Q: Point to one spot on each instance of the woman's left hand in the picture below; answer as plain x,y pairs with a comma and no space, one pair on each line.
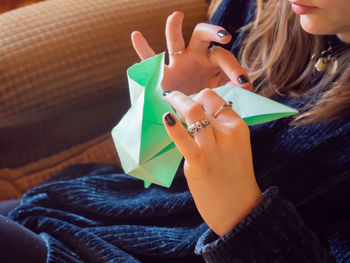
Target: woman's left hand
218,159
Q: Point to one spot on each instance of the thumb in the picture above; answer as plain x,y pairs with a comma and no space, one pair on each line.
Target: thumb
229,64
141,46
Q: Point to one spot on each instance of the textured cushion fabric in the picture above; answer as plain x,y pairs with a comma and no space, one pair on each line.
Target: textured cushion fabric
7,5
62,58
15,182
63,74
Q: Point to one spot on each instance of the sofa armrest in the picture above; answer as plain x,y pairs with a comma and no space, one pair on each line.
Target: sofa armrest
63,69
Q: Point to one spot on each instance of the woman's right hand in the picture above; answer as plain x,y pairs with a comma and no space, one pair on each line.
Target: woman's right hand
195,70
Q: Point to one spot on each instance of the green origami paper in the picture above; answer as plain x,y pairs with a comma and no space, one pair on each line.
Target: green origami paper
144,147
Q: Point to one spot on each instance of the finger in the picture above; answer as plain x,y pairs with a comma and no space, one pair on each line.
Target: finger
140,44
192,112
173,32
183,141
228,63
212,102
218,80
203,34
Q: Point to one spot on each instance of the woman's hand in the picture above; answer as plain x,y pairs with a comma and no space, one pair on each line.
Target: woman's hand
193,70
218,159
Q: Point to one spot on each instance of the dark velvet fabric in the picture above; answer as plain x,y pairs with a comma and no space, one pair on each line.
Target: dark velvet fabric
20,245
8,205
92,213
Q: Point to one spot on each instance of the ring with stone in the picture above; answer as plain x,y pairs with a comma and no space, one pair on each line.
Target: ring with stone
226,105
198,126
175,53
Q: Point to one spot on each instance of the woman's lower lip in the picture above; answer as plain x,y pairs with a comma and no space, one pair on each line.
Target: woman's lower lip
301,9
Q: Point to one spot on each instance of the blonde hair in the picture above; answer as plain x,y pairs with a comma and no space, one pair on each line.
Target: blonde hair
276,53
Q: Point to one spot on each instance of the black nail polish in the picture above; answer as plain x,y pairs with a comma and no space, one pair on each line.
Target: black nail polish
166,92
170,119
242,79
223,33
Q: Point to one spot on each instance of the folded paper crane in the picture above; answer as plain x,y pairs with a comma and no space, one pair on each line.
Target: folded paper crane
144,147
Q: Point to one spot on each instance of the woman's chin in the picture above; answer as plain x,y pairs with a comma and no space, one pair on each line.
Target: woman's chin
314,27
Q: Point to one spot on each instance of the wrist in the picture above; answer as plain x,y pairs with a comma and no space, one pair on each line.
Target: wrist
254,199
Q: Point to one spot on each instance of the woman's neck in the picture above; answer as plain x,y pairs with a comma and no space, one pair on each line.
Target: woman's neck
345,37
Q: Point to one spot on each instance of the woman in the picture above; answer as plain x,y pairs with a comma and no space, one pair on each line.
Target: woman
289,205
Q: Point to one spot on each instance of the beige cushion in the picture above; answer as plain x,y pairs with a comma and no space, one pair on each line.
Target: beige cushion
15,182
63,76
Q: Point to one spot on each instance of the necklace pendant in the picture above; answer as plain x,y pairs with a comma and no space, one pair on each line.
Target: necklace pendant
321,64
326,62
333,66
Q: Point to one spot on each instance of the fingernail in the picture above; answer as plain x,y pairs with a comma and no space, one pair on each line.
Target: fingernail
242,79
223,33
166,92
170,119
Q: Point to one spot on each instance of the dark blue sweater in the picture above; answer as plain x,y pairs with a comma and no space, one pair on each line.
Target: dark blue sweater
103,216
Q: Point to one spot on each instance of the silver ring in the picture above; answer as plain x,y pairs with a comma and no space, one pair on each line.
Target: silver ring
175,53
198,126
227,105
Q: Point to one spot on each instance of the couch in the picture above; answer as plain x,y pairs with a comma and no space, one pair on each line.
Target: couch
63,82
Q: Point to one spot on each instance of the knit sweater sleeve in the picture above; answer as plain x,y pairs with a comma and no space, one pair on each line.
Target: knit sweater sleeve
272,232
232,15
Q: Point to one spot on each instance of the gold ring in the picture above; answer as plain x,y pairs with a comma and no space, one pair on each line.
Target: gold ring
211,50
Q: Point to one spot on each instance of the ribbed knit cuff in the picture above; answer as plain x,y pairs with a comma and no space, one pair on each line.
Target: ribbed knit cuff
271,232
57,252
